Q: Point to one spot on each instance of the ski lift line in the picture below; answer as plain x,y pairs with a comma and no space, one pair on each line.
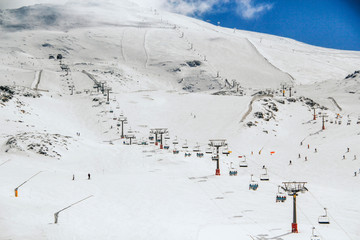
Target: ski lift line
311,223
333,219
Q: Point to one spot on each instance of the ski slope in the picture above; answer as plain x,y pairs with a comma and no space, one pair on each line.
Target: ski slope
168,71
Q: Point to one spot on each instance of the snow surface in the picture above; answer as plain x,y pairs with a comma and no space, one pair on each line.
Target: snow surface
146,56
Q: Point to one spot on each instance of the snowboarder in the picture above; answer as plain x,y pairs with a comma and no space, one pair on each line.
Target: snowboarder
88,176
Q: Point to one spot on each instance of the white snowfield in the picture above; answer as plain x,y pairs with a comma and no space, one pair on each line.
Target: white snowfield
169,71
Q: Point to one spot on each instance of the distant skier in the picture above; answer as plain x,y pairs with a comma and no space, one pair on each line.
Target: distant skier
290,162
315,150
88,176
348,149
299,155
308,146
263,166
343,157
354,157
300,143
305,158
73,177
355,174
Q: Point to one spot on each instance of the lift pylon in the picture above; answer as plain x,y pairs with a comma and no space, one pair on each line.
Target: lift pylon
293,188
217,143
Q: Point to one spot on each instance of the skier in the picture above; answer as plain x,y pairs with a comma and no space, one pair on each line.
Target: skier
263,166
343,157
354,174
354,157
305,158
73,177
88,176
315,150
308,146
348,149
299,155
290,162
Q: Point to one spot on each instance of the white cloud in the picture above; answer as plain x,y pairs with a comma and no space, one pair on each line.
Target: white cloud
245,8
248,10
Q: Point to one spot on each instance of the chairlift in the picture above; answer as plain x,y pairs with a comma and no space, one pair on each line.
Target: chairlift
187,154
280,196
208,150
196,148
265,176
243,163
111,111
324,219
199,154
175,151
226,151
233,171
314,236
175,141
167,136
253,184
166,145
185,146
214,158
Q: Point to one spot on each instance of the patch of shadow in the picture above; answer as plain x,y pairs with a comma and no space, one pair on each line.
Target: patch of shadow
219,198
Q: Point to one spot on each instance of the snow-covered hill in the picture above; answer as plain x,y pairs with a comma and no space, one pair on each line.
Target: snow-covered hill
200,82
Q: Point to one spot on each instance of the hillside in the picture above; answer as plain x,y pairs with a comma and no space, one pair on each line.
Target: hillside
200,82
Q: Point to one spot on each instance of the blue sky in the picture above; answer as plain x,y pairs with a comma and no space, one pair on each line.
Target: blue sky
326,23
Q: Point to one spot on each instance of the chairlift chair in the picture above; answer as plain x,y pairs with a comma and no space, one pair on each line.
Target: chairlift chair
314,236
196,148
208,150
280,196
214,158
185,146
167,136
225,151
233,171
175,141
324,219
243,163
265,176
253,184
175,151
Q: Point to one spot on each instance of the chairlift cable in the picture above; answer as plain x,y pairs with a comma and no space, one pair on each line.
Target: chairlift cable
332,218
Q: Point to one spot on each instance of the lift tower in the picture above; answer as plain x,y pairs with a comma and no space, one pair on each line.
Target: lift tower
217,143
123,121
161,132
293,188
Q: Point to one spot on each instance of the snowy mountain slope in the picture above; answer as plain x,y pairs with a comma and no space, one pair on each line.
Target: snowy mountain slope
142,192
